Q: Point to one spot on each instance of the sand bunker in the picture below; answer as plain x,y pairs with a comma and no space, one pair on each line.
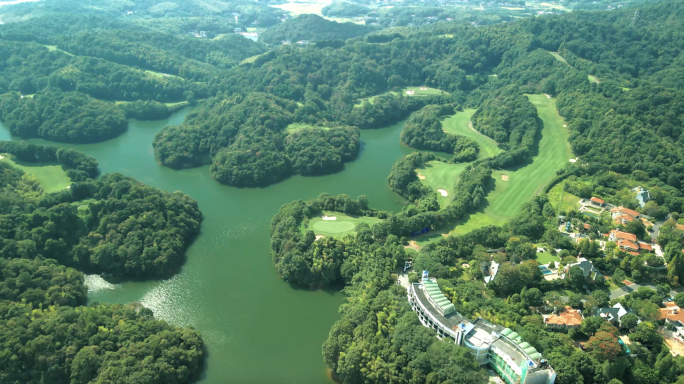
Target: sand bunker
573,160
464,265
410,92
423,89
319,237
504,177
329,217
565,125
422,177
2,157
443,192
547,95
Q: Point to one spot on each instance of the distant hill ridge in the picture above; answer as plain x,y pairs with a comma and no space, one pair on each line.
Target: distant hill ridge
312,28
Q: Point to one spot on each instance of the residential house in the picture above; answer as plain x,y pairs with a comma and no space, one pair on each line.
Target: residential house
489,270
624,215
628,242
590,272
673,315
642,196
613,314
598,202
564,321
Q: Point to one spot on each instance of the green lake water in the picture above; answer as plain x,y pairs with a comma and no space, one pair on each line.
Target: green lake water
257,328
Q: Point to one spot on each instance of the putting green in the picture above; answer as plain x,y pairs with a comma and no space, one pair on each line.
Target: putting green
417,91
52,177
505,201
333,226
343,225
459,124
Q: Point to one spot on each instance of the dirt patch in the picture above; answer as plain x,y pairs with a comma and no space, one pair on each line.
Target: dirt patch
504,177
627,282
422,177
676,346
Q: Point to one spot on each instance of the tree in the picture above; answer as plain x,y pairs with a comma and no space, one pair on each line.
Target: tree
534,297
629,321
646,333
575,277
636,227
602,298
603,346
618,276
591,324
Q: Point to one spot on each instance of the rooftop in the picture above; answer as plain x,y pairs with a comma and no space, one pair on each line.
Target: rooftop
568,317
626,211
624,235
451,320
672,312
597,200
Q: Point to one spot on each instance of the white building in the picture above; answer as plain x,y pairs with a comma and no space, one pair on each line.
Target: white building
515,360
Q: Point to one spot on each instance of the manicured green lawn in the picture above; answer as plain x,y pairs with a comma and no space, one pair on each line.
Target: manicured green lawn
459,124
343,225
52,177
507,198
439,175
570,201
546,257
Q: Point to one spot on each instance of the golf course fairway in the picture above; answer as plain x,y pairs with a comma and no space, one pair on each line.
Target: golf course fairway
439,175
459,124
507,197
52,178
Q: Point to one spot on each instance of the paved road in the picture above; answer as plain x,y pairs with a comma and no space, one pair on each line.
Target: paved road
627,289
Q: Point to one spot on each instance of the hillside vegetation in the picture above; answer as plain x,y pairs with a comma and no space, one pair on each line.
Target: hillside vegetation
312,28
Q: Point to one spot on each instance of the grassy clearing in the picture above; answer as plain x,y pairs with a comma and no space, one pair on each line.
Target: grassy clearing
593,79
343,225
425,91
439,175
54,48
558,57
355,20
52,177
159,74
569,201
294,127
459,124
507,197
251,59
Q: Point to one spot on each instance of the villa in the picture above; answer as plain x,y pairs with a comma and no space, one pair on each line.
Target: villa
624,215
514,360
628,242
613,314
642,196
564,321
673,315
588,270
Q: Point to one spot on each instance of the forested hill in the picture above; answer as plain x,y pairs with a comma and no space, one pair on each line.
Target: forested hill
115,225
312,28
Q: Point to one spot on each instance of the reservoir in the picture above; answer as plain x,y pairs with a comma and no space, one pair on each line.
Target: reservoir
257,328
